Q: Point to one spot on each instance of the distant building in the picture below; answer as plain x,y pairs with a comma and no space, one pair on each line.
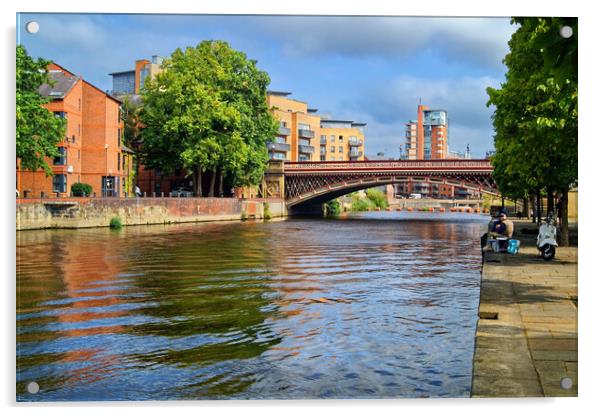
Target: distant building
131,81
92,150
300,127
426,137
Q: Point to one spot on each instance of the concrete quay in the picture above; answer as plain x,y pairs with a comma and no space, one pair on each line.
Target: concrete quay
526,337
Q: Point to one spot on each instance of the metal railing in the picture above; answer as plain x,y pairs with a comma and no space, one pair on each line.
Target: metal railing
284,131
279,146
481,165
306,133
305,149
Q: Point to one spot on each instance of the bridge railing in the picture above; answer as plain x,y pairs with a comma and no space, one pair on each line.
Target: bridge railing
387,164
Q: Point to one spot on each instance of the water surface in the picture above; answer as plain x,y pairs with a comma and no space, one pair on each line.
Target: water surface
376,305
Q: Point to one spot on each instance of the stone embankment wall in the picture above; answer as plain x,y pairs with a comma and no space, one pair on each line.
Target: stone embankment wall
94,212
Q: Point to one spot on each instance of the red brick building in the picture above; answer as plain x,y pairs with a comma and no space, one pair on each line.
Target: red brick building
92,150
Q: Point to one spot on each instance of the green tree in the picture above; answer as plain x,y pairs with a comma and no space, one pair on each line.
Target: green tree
207,112
38,130
535,119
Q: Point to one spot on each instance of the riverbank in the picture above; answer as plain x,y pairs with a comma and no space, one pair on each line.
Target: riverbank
526,337
70,213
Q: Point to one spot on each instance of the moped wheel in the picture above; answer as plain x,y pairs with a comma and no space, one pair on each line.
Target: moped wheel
548,252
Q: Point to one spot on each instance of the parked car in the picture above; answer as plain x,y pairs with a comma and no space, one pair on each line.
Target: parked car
181,192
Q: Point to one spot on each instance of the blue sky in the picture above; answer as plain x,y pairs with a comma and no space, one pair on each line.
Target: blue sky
368,69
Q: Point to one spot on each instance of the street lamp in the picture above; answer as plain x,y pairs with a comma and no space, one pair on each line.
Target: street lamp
104,191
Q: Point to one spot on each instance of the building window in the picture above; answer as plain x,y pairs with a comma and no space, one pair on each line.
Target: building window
340,149
331,158
78,155
61,159
59,183
332,149
118,137
79,104
283,124
60,114
332,139
73,138
340,158
123,162
340,139
322,158
79,128
118,161
323,138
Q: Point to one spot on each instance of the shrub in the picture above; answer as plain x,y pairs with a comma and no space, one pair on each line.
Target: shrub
377,197
115,223
360,205
81,189
267,215
333,207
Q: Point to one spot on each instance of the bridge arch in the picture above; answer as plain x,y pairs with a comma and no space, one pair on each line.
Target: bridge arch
312,183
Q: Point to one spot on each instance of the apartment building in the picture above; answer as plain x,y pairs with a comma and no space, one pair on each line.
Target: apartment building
300,127
131,82
92,151
341,140
427,136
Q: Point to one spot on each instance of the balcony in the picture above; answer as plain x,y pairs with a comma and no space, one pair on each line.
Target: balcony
283,147
306,149
306,133
354,152
284,131
322,151
355,143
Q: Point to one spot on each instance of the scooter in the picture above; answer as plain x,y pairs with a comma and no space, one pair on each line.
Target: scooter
546,239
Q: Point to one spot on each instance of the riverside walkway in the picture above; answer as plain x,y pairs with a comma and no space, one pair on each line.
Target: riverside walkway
526,337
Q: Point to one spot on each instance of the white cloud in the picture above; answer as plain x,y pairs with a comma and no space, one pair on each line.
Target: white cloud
481,41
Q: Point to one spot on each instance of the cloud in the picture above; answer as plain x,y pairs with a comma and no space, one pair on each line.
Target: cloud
79,31
480,41
388,105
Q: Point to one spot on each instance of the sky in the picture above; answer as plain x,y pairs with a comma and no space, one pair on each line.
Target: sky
366,69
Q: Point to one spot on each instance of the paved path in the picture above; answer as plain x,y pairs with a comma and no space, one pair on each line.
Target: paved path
531,345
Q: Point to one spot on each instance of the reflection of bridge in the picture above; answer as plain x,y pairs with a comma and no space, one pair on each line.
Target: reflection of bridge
311,183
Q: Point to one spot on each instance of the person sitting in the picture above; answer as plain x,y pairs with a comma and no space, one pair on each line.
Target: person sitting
502,227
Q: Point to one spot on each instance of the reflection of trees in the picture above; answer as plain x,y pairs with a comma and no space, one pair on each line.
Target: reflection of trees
209,286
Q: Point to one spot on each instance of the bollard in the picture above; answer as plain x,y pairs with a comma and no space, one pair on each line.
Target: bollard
162,194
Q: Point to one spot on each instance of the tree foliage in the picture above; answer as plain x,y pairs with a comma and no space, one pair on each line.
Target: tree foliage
207,112
535,117
38,130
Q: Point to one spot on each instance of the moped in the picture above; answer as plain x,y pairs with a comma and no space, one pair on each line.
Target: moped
546,239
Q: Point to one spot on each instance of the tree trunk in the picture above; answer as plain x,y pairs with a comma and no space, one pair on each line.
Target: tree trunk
550,200
503,204
564,217
526,212
532,207
220,189
538,207
212,184
197,182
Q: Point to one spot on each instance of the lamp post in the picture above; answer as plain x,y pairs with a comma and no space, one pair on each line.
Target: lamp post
104,191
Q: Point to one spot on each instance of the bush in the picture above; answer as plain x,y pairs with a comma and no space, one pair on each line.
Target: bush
267,215
81,189
377,198
115,223
332,207
360,205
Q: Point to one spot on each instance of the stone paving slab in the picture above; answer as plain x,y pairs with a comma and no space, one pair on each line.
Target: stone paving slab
526,339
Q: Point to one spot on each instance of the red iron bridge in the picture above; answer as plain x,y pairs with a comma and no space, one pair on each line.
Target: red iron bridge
310,183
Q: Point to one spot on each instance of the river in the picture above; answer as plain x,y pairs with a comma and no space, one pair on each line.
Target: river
371,305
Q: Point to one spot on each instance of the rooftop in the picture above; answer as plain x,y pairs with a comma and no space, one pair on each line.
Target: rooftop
122,72
62,84
279,93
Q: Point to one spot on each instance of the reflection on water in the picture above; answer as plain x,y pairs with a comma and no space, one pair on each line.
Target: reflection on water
373,305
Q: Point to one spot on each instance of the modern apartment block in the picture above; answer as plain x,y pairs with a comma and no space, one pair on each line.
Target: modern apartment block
300,127
341,140
91,151
426,137
130,82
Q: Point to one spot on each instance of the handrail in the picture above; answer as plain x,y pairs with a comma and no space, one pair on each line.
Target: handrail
389,164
